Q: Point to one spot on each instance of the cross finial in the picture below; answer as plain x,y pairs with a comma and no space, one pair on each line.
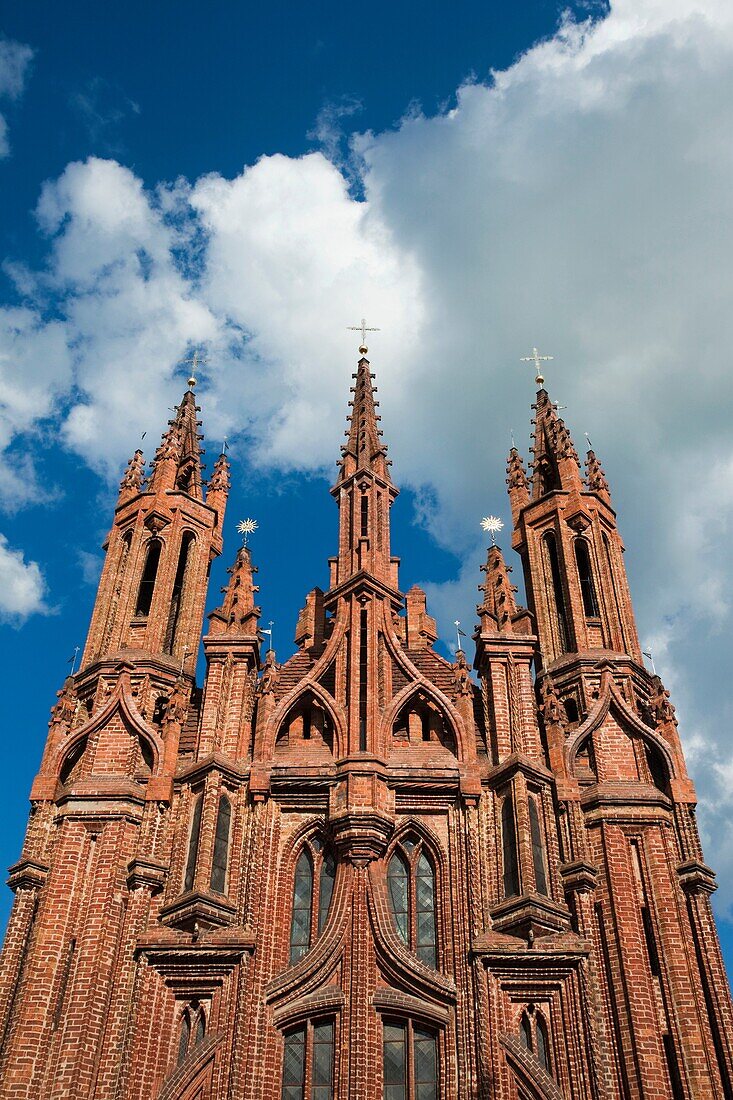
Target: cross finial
538,360
194,362
363,328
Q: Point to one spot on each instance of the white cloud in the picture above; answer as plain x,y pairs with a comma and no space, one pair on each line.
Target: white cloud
14,61
22,587
580,201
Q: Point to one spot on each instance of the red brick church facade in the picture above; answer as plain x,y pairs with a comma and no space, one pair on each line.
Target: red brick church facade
360,873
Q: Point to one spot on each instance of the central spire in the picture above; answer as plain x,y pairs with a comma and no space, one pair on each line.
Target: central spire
364,489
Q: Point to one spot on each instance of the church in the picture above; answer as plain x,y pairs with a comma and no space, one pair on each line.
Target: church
364,872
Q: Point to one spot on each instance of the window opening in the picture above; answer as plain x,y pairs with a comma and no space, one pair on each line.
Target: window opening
538,853
193,844
410,1061
412,898
147,583
177,594
509,848
221,845
585,575
363,684
364,515
557,590
308,1057
315,875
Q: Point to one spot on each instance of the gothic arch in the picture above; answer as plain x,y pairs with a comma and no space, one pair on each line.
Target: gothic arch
303,705
287,703
610,700
448,712
122,701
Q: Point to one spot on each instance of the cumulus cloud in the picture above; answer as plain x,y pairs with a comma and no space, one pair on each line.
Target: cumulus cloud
22,586
579,200
15,59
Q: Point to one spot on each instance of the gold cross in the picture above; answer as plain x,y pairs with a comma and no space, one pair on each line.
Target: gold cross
538,360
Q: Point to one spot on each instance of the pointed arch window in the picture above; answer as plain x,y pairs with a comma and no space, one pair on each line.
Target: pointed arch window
308,1057
509,847
412,897
193,843
558,593
538,847
410,1065
221,846
535,1036
147,581
176,607
585,576
315,872
192,1029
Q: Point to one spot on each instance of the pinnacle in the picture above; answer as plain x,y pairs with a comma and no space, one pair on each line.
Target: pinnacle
499,607
364,448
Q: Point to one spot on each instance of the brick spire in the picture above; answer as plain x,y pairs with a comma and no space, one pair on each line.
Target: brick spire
595,477
133,477
364,449
177,462
238,613
517,482
555,460
364,490
499,607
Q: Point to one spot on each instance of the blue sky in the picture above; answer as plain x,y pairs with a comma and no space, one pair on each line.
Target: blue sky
253,180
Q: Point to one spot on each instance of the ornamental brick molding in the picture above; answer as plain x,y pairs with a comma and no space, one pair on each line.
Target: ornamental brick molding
364,871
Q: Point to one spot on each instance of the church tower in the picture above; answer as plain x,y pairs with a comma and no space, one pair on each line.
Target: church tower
362,872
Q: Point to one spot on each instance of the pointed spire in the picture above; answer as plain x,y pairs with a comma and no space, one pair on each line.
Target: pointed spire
555,460
499,608
517,483
596,477
177,462
217,491
238,613
133,477
364,449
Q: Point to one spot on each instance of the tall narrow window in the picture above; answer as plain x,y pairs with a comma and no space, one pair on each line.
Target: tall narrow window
411,890
363,682
221,845
543,1044
557,589
147,583
315,873
193,844
174,614
192,1029
364,515
509,848
525,1031
410,1066
185,1035
585,576
300,929
538,848
308,1061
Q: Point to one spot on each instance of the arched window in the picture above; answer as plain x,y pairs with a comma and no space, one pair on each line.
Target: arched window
543,1044
421,720
585,576
221,846
308,1061
193,843
315,872
72,764
509,848
193,1029
410,1065
538,847
411,889
535,1036
525,1031
557,589
657,769
147,582
174,614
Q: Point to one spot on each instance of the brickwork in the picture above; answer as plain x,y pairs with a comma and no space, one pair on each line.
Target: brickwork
506,871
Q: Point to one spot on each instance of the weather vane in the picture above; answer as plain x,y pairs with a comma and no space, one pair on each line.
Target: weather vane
492,524
363,328
269,630
247,527
459,634
538,360
193,363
